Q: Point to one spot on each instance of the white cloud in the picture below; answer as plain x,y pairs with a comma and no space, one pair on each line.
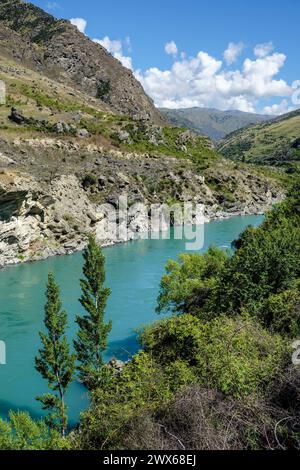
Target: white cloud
115,47
202,81
53,6
232,52
280,108
262,50
171,48
80,23
126,61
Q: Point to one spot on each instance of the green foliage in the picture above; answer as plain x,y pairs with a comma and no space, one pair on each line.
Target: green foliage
258,278
281,312
20,432
265,263
264,266
235,356
93,331
103,90
141,386
88,181
54,362
189,282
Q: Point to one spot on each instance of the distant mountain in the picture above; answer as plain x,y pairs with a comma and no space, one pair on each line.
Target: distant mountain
212,122
276,142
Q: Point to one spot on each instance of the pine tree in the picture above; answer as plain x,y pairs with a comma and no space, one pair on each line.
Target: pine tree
55,363
93,331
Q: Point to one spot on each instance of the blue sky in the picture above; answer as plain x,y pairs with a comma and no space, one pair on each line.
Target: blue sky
137,32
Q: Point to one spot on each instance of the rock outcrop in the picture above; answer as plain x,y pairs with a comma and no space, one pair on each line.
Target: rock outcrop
57,49
52,215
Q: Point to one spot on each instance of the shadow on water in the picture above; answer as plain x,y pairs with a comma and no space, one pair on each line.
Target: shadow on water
7,406
37,413
123,349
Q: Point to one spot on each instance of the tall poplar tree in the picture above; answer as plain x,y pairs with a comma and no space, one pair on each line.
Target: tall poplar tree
55,363
93,332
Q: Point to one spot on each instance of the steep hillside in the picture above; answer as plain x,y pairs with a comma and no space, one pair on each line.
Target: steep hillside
58,50
212,122
273,143
63,153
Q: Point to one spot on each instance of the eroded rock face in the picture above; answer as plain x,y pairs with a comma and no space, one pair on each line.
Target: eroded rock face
39,218
57,49
11,203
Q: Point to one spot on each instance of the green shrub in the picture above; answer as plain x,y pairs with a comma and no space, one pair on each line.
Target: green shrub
188,283
20,432
88,181
141,386
235,356
103,90
266,262
280,313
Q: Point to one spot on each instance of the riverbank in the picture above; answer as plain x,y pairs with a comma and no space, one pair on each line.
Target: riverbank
133,273
108,238
52,193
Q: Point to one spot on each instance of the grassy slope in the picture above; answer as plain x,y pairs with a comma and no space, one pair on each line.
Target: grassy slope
40,98
268,144
43,99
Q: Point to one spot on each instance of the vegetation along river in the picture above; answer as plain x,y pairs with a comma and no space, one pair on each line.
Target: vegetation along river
133,272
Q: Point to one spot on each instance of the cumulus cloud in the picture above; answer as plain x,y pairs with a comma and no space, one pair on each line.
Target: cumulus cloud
277,109
80,23
262,50
232,52
115,47
128,45
202,81
171,48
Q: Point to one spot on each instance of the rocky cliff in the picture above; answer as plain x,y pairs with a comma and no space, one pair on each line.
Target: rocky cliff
64,152
52,214
57,49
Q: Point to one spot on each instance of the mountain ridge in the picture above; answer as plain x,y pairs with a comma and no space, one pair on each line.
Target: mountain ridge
210,121
59,50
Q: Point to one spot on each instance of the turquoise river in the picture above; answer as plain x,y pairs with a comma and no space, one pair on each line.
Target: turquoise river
133,271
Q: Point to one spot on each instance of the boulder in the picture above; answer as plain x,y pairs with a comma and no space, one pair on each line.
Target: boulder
61,127
124,136
83,133
16,116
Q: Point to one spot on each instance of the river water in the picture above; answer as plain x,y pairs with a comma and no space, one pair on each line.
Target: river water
133,272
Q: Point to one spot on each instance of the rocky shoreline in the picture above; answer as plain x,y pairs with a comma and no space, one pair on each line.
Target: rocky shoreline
52,194
42,228
10,259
